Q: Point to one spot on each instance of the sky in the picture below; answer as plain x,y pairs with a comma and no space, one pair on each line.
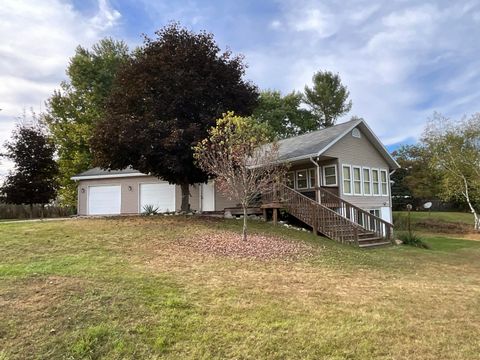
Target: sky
401,60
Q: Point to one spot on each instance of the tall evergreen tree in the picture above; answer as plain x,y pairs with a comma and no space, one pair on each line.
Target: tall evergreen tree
328,98
33,179
164,101
73,111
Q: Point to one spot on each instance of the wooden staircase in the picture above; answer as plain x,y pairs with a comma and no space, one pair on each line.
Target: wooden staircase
333,217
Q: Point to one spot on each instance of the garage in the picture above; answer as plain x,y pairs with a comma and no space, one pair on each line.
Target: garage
160,195
104,200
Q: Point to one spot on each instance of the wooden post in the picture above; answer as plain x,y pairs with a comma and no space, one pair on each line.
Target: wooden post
315,220
275,216
265,214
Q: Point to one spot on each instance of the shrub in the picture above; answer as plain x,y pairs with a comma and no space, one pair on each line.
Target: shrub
412,239
12,211
150,210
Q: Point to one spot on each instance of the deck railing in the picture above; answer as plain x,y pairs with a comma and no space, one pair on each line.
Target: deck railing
331,216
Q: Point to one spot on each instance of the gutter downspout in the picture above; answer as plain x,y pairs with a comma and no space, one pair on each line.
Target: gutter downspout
317,190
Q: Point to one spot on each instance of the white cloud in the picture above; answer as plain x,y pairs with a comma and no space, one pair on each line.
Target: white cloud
38,38
400,60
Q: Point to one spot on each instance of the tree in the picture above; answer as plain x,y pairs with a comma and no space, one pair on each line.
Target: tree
237,153
283,114
164,101
73,111
33,179
455,150
415,178
328,98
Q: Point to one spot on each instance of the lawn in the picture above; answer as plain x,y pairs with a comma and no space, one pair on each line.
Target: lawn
135,288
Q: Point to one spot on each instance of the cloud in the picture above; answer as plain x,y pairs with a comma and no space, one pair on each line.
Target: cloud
38,38
400,60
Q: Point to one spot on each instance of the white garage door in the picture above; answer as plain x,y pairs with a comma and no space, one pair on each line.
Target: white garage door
104,200
160,195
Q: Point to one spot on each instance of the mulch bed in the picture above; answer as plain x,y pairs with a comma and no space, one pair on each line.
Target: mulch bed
230,244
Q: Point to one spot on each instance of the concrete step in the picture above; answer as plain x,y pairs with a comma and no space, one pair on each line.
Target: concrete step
374,244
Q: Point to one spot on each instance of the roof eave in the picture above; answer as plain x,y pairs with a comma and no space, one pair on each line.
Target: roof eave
106,176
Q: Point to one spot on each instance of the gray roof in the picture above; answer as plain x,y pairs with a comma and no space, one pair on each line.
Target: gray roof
311,144
295,148
102,172
318,142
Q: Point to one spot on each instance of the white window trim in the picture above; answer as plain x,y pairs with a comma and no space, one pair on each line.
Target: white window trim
369,181
381,182
352,173
306,178
324,177
351,180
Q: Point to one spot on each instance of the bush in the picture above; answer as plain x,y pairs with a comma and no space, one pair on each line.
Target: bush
412,239
400,221
150,210
12,211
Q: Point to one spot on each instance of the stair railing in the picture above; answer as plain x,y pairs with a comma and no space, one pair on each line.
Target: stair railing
365,219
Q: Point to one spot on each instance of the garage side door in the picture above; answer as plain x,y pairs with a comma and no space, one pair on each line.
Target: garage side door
160,195
104,200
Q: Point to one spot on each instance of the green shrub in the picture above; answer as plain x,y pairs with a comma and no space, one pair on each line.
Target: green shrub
412,239
12,211
400,221
150,210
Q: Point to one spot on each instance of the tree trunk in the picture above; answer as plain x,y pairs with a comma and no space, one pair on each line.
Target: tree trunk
476,219
185,197
31,211
244,231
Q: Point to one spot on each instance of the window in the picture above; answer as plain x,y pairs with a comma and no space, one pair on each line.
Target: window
366,181
356,133
302,182
375,212
347,179
384,182
357,180
330,175
375,183
312,178
291,179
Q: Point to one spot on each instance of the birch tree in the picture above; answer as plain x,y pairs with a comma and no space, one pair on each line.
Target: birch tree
455,150
237,154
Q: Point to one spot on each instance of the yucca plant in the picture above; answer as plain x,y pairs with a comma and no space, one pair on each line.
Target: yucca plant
150,210
412,239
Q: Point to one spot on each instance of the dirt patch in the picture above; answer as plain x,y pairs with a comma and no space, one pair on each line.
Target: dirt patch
262,247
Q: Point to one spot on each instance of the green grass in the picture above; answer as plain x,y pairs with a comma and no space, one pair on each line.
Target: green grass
124,289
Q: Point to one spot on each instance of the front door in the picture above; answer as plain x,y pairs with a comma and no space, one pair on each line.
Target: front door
208,196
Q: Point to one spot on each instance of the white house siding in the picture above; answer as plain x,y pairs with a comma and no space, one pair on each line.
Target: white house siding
360,152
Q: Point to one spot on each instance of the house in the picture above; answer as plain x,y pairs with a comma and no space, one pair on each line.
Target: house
345,165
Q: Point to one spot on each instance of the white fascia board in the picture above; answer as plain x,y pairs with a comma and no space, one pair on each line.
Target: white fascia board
108,176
